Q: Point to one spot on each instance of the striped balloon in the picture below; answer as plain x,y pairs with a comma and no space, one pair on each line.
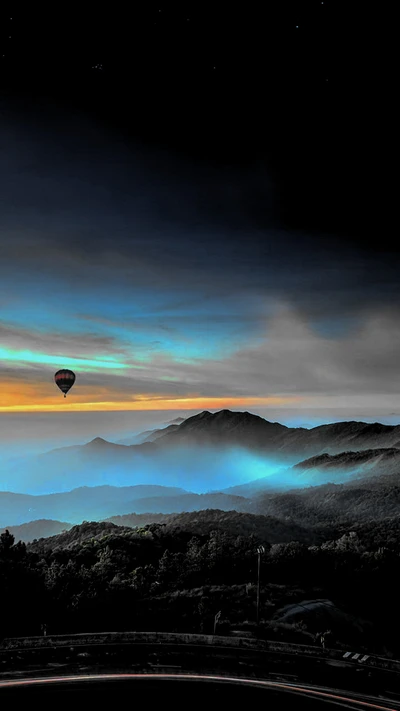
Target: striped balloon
64,380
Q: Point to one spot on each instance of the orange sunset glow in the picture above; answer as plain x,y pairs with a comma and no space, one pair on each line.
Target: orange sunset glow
27,402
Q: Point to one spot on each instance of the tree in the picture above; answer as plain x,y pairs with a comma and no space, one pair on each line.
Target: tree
6,542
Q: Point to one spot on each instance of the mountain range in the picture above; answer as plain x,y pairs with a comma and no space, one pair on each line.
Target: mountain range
309,514
83,503
343,452
204,444
253,432
243,429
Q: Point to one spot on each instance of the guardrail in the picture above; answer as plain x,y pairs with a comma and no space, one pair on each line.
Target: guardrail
151,638
176,638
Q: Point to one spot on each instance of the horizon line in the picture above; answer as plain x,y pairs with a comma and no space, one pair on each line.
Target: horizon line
155,405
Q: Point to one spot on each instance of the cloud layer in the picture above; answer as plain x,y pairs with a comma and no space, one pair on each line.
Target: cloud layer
167,282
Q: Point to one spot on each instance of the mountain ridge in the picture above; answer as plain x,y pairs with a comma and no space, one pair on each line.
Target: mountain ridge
79,503
204,445
210,426
149,435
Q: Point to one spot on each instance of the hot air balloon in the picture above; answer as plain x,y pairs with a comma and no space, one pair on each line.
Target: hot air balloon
64,380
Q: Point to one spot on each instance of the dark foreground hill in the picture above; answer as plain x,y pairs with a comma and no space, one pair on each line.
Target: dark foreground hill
200,523
176,577
238,524
53,531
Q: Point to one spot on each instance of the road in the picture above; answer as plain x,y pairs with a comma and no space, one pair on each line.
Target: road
98,687
196,656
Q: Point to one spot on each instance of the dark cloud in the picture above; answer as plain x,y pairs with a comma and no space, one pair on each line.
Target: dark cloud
292,359
107,242
83,205
75,344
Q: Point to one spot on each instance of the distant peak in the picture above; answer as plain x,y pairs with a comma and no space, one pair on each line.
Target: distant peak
176,421
98,441
200,416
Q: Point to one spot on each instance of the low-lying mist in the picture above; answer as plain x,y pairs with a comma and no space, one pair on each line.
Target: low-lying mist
198,469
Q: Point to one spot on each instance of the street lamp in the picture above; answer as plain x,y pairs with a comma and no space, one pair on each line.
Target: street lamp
216,618
260,552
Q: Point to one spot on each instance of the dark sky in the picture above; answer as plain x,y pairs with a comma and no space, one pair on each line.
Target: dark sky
197,194
277,83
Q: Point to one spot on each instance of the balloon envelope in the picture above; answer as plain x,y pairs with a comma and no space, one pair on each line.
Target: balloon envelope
64,380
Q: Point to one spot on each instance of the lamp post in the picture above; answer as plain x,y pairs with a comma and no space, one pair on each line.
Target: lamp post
260,551
216,618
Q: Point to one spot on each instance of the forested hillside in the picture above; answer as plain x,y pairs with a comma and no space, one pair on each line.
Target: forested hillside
99,576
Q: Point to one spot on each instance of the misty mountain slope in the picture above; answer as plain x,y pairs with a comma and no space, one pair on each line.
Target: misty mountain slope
77,505
188,502
333,503
93,464
254,432
65,468
146,436
43,528
368,462
100,462
262,485
337,468
206,451
353,436
157,434
150,435
135,438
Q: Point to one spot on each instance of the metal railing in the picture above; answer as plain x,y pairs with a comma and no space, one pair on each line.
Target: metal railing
176,638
